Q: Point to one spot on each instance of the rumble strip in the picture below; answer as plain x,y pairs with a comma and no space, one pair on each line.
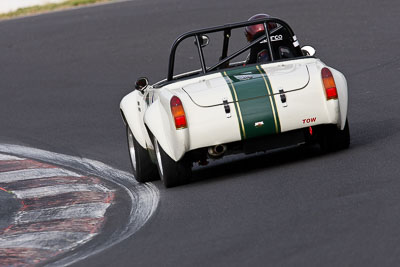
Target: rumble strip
64,207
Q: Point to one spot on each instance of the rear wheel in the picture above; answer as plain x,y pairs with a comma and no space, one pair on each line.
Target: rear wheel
172,173
333,139
143,168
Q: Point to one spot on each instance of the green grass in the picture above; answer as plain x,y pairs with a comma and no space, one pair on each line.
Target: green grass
49,7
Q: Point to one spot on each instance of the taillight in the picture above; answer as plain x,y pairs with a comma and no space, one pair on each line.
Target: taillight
178,113
329,84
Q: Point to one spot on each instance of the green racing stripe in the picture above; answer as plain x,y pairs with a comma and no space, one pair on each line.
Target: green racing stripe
254,102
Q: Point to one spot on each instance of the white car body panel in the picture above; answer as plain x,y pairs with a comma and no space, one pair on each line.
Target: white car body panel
209,92
305,104
160,123
134,118
203,122
287,75
341,85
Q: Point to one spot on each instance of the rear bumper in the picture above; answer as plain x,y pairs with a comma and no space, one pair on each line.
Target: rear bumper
262,144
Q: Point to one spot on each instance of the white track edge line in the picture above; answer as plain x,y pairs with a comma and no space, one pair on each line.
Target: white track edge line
53,190
9,157
78,211
48,240
29,174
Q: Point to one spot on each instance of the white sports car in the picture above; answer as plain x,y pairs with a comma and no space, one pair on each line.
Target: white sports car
280,95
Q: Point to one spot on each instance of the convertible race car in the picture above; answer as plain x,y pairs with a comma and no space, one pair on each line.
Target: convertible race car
266,94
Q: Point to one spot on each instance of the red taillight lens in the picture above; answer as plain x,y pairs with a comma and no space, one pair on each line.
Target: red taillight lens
178,113
329,84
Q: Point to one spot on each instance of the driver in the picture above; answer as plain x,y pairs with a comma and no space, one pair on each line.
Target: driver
259,52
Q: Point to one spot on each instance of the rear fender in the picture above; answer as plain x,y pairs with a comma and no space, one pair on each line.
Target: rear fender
134,118
159,120
341,86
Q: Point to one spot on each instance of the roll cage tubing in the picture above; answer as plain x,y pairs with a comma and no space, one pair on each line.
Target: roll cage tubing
227,32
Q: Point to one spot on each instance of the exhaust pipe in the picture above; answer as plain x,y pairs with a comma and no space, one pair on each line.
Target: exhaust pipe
216,151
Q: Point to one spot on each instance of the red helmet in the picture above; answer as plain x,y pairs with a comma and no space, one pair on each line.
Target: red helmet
254,30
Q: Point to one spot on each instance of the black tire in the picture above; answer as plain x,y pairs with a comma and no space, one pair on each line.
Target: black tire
171,172
333,139
143,168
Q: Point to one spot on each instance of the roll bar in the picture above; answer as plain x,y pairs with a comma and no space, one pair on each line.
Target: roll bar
227,31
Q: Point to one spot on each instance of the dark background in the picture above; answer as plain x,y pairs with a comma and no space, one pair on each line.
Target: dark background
63,74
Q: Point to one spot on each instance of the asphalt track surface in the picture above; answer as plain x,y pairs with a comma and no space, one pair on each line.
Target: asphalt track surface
63,74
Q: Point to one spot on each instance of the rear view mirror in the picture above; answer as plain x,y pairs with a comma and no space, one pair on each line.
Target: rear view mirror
308,50
141,84
204,40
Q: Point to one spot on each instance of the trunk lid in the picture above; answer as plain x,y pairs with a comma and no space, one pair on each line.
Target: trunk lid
250,82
